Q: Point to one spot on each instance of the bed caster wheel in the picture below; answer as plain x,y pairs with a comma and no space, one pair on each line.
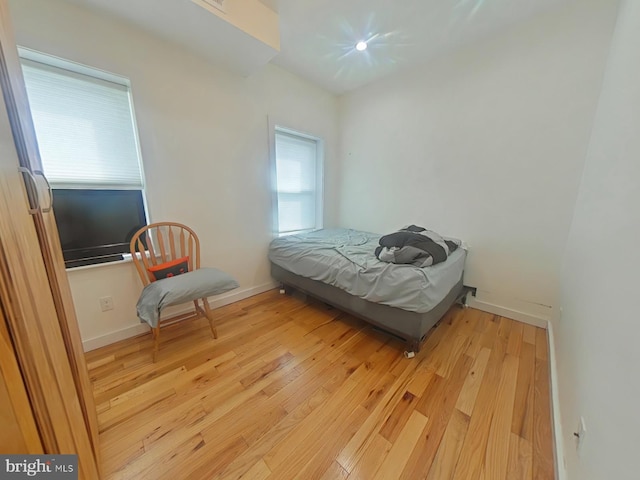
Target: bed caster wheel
409,354
463,302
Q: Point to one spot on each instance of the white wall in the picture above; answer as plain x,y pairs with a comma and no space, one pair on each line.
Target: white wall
204,140
486,144
598,334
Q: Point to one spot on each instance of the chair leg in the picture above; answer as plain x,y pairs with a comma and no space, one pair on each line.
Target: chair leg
156,342
209,315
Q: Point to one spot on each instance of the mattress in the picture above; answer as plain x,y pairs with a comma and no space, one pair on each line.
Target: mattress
345,259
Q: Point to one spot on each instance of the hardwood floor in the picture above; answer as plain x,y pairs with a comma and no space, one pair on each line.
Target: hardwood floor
295,389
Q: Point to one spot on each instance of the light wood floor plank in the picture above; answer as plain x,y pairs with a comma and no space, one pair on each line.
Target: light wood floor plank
542,444
173,465
438,407
520,458
515,339
542,346
117,461
299,447
529,334
467,398
370,459
360,443
258,449
475,344
327,451
500,432
422,377
464,321
446,458
399,417
522,422
394,462
295,389
455,349
206,463
335,472
473,453
259,471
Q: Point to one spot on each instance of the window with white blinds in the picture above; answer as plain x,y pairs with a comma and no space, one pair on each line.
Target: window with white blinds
85,128
298,182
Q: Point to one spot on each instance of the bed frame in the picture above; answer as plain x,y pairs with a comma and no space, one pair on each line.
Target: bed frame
412,327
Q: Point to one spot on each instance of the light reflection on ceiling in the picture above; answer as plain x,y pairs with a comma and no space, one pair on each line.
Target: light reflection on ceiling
318,37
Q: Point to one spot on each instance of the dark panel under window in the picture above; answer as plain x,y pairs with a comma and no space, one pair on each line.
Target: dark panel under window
96,226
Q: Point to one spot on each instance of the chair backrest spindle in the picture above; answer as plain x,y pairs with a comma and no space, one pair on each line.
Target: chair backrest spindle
172,243
152,253
163,253
155,234
183,250
140,253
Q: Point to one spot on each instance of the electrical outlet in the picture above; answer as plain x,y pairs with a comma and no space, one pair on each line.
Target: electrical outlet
580,435
106,303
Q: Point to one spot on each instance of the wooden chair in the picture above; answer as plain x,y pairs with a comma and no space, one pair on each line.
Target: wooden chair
167,241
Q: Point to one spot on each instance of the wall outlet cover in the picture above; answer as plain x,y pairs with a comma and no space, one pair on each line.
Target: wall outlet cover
106,303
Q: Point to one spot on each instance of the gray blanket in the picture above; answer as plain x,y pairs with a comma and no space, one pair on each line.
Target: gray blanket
201,283
415,245
345,259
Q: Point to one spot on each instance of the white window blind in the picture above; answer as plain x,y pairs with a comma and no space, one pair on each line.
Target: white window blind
85,128
297,182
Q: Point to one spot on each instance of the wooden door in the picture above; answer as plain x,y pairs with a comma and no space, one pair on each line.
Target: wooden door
46,228
19,433
29,309
13,439
46,344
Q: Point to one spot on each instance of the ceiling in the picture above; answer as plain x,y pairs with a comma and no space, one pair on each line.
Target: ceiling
220,37
317,37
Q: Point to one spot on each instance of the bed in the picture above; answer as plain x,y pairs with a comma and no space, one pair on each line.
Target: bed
338,267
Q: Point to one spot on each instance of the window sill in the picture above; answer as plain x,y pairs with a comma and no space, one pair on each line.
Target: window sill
127,259
297,232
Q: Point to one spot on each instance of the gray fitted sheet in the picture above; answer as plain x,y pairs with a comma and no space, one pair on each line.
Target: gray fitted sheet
345,259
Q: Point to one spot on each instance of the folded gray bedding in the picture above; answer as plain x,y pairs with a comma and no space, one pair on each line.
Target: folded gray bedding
201,283
416,246
346,259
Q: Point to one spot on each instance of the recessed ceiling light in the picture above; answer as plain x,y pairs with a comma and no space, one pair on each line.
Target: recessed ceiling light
361,46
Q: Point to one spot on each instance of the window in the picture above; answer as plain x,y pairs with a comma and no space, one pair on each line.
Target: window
298,182
88,144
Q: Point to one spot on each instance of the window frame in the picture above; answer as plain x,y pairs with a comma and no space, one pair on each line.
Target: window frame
98,73
279,127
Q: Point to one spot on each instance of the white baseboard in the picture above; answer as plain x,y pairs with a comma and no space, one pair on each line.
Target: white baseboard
561,472
234,297
535,320
113,337
137,328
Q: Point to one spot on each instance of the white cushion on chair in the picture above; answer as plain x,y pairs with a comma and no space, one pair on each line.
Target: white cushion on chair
187,287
